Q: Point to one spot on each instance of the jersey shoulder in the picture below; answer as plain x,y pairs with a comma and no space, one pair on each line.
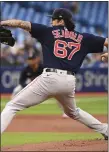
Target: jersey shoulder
85,35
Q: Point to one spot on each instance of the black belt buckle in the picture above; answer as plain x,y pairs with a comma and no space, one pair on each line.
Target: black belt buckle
70,73
50,70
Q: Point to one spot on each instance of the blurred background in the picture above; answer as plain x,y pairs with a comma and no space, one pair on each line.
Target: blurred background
92,79
91,17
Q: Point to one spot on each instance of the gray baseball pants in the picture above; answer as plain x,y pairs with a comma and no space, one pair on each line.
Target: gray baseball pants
62,87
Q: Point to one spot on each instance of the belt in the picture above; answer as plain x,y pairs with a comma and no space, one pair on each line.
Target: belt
59,71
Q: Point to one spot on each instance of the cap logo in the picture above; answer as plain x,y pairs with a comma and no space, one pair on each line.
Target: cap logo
60,16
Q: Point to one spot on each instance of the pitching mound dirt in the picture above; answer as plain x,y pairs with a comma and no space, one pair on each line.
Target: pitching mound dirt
95,145
50,123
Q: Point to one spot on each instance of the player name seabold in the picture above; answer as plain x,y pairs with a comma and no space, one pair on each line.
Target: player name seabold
59,33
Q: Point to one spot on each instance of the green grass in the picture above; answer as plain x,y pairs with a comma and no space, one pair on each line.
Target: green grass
23,138
93,105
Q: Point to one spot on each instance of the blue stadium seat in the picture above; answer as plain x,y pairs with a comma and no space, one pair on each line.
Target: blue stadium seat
45,19
6,10
47,6
36,17
84,29
91,30
29,14
78,27
2,5
91,15
14,11
22,13
86,12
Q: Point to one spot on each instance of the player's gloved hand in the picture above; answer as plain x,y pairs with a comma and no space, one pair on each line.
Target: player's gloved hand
104,57
6,36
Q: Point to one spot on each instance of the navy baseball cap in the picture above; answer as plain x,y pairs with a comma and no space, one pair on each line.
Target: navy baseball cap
61,13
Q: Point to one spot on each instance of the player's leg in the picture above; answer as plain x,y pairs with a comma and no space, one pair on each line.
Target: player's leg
69,105
34,93
16,90
31,95
61,108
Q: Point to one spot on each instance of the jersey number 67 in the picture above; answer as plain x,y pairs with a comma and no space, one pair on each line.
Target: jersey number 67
61,52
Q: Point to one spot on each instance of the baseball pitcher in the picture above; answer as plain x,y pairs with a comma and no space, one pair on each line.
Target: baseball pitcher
64,50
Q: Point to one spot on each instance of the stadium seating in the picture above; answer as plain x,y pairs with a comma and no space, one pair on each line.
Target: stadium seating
91,15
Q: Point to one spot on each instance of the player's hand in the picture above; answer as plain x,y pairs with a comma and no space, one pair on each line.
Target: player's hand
104,57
